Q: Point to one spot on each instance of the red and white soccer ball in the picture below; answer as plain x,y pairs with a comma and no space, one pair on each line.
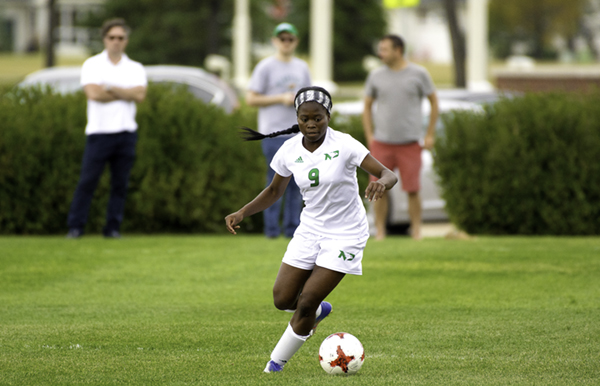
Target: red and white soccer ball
341,353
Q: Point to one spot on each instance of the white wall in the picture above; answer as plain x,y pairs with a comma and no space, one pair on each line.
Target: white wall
31,22
427,37
23,32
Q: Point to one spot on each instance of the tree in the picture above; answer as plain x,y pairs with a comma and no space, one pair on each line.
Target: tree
534,22
50,54
358,25
175,31
186,31
459,50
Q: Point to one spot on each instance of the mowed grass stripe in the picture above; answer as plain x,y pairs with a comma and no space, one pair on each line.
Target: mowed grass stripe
198,310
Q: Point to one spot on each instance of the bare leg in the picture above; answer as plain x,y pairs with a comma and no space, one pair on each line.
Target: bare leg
381,213
303,290
288,285
414,211
320,284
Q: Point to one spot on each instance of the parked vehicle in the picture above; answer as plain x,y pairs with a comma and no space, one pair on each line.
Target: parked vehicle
481,97
432,203
202,84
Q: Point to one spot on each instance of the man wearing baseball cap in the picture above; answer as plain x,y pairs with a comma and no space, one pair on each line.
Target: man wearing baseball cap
273,86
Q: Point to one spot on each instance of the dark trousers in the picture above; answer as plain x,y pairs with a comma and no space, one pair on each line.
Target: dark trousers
118,150
292,198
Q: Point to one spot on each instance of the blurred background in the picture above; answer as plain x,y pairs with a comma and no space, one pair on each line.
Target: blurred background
475,44
477,51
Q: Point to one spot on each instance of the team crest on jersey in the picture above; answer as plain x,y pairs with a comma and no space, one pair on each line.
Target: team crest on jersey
299,160
332,155
347,256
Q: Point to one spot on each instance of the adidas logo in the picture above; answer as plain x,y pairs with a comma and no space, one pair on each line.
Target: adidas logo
299,160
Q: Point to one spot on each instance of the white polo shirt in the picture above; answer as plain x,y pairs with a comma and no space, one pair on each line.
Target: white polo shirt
327,181
117,116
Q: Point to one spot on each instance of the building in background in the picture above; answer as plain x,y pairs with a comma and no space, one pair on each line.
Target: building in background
24,25
424,29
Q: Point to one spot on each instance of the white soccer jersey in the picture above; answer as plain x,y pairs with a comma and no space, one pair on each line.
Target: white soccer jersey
327,181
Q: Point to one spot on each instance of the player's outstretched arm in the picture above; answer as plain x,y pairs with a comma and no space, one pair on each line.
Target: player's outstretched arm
265,199
387,178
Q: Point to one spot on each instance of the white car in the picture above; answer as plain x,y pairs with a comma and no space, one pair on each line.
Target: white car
203,85
433,204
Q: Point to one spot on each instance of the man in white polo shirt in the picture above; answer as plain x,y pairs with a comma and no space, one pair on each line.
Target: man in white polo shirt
113,84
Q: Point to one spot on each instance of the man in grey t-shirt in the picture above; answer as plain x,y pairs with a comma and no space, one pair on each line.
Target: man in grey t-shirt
273,86
393,130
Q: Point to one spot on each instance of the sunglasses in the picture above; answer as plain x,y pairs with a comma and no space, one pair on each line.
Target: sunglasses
289,40
113,37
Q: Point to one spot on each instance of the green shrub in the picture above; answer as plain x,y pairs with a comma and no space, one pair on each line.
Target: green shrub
353,126
527,166
191,170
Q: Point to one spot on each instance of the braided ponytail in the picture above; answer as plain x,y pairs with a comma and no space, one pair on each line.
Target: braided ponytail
248,134
306,94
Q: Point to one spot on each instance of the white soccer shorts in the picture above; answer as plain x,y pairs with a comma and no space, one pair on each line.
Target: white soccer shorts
306,250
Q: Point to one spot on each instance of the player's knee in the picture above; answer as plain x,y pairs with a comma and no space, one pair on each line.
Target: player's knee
283,302
307,305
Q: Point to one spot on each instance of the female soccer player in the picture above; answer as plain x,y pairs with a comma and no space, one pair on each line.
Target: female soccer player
333,230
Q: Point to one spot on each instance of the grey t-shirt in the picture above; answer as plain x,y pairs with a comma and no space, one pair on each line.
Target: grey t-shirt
398,95
273,76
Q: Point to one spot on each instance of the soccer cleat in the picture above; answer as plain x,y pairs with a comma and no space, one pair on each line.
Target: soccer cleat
326,309
112,235
273,367
74,233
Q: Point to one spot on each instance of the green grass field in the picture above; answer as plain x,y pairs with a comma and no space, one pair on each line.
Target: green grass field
197,310
14,67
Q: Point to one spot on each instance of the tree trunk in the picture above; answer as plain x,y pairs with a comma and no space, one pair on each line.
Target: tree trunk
458,44
50,55
212,44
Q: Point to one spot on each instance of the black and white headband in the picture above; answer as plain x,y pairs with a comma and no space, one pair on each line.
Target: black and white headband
313,96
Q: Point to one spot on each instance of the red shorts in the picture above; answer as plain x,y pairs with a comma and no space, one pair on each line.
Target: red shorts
406,158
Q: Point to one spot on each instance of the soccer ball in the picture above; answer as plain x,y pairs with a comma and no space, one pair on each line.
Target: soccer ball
341,353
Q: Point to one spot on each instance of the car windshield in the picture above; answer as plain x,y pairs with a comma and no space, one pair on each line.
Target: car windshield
199,93
200,84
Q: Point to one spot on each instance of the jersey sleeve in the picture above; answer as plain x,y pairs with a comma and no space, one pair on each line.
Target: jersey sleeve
140,76
89,74
258,79
427,85
278,163
358,151
370,89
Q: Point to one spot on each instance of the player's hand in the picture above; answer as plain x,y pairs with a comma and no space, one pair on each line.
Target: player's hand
375,190
231,222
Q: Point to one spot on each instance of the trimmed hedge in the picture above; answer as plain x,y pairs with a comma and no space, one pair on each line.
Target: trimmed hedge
528,166
191,170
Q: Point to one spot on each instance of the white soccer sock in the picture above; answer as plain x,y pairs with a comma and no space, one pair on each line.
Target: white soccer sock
288,344
318,311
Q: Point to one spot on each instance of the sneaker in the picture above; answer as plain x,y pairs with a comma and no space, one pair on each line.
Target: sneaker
74,233
273,367
326,309
112,235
